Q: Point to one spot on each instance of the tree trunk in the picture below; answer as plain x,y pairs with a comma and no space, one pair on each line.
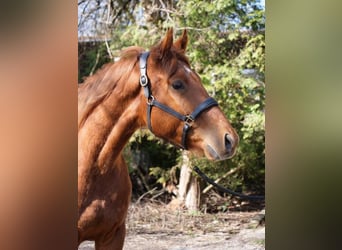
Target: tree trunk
189,190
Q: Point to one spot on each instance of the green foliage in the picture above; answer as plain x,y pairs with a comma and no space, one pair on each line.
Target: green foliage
242,98
253,56
230,58
162,156
91,56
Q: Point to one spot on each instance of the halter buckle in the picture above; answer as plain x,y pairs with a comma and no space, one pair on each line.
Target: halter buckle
189,120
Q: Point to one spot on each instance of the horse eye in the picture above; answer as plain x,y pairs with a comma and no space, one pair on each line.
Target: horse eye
178,85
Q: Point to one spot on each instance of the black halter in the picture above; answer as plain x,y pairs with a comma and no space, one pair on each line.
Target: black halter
151,101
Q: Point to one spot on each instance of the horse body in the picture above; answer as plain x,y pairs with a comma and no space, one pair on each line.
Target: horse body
112,106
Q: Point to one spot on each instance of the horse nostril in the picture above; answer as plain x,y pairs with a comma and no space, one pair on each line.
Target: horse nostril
228,142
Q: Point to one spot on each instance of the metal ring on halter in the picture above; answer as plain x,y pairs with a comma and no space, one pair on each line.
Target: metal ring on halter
150,100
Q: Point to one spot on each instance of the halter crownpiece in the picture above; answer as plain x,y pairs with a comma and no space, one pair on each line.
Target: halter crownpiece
151,101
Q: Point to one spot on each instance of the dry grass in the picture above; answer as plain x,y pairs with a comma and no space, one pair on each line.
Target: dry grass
153,218
153,226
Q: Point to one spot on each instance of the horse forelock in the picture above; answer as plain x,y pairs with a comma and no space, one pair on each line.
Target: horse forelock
169,62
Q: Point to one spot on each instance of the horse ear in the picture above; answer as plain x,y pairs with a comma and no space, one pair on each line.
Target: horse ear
166,44
182,42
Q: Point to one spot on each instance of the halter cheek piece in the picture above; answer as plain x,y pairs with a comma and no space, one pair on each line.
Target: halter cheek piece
151,102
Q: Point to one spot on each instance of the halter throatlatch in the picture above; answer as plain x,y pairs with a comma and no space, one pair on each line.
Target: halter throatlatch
151,102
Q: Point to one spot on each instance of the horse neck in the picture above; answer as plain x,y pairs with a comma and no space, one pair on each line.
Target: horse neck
111,124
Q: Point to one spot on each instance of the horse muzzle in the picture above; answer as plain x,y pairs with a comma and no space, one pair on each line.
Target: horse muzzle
224,150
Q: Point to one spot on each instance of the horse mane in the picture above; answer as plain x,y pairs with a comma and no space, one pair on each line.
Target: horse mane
98,87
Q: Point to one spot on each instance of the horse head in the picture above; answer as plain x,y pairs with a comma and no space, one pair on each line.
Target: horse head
178,107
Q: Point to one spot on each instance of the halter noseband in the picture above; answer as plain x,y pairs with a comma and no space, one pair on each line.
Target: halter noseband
151,101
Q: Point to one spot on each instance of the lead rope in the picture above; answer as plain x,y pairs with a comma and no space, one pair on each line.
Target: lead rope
226,190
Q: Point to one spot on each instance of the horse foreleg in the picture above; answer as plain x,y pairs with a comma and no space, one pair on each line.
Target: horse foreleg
113,240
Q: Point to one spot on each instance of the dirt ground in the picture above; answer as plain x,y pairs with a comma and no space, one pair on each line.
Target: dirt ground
155,227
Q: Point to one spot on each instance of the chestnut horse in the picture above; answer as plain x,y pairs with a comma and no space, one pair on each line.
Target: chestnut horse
155,89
